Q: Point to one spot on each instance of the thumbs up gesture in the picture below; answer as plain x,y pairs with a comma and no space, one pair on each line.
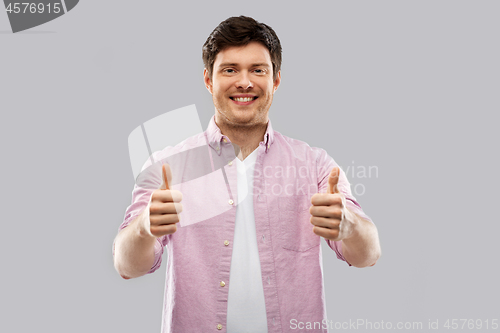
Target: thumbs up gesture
164,207
330,216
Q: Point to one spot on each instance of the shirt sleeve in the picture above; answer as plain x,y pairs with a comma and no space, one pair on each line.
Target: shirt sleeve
148,181
325,164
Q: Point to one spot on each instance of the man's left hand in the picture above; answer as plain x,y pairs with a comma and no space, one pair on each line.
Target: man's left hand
330,217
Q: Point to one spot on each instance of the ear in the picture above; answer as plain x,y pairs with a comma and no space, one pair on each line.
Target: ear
277,82
206,79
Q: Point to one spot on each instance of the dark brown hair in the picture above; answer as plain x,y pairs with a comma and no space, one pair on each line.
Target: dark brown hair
240,31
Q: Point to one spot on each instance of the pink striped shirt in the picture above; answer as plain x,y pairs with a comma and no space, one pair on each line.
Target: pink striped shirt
287,173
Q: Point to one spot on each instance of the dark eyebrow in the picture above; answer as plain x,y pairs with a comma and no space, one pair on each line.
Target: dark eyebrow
231,64
228,64
260,65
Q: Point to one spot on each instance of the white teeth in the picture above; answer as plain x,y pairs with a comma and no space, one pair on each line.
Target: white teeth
243,99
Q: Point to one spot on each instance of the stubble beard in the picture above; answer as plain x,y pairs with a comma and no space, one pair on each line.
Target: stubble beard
225,113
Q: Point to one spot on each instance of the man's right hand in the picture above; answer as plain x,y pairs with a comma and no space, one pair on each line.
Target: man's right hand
164,207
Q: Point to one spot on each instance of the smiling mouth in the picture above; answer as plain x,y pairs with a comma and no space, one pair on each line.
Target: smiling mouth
243,99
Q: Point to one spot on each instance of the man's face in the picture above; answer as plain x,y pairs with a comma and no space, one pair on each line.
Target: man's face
242,85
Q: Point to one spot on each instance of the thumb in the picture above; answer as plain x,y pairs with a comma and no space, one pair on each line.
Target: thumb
166,174
333,181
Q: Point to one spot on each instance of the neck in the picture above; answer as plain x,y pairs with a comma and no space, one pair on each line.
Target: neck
245,137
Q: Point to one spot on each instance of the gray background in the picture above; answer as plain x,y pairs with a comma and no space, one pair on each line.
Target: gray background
410,87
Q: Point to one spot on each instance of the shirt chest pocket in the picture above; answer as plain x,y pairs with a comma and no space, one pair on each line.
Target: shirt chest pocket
296,232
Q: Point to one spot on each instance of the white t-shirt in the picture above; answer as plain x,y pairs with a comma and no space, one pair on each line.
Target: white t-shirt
246,308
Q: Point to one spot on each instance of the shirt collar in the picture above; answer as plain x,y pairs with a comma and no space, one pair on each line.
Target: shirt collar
215,136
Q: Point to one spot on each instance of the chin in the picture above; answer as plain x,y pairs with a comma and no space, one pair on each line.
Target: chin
243,120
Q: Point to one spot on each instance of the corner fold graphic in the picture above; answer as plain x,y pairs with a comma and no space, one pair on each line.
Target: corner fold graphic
26,15
70,4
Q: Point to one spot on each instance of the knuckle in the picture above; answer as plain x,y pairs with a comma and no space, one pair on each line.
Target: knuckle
162,230
336,200
314,198
153,209
169,207
315,220
153,220
178,207
154,231
334,234
172,228
336,212
315,230
176,195
167,196
154,196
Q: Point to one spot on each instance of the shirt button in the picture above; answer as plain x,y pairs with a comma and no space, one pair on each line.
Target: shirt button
222,283
230,201
217,148
219,326
230,163
224,139
226,242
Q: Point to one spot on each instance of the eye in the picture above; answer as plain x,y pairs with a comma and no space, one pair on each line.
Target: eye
260,71
228,70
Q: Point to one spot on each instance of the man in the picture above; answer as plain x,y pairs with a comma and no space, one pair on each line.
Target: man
254,266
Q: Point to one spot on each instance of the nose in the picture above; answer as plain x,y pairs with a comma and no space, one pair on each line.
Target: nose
243,81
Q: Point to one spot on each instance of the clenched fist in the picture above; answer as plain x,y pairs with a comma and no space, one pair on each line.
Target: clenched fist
330,217
164,207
